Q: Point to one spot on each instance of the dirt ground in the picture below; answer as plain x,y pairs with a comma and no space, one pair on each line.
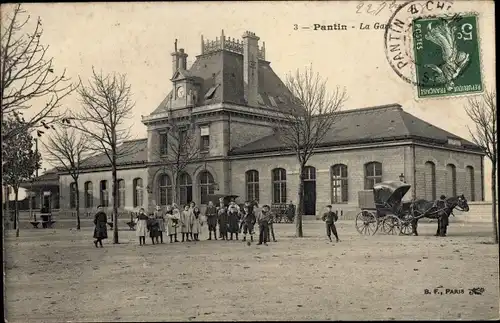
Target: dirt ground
58,275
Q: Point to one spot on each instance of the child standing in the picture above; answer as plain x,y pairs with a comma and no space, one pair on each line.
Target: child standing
173,217
330,218
186,223
248,223
270,227
197,223
154,228
160,218
141,228
233,219
223,221
211,215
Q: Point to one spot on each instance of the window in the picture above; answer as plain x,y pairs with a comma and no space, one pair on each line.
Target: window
104,194
185,189
430,181
121,193
206,186
89,195
138,192
183,140
165,190
279,186
309,173
72,196
205,138
339,184
163,143
252,184
469,173
210,93
451,180
373,174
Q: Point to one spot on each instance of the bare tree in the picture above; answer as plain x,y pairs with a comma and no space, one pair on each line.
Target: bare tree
312,113
106,104
27,75
66,149
180,148
483,112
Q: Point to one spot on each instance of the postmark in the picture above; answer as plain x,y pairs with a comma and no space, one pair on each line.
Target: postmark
399,36
447,56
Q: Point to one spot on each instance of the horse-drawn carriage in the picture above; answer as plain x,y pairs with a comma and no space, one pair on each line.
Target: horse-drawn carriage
382,208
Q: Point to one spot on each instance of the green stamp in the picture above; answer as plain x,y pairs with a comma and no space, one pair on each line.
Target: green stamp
446,52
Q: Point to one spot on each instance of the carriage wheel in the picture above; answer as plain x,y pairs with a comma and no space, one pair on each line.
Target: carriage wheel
366,223
406,228
391,225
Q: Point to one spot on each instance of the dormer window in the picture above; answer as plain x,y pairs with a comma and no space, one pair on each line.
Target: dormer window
210,94
273,102
454,142
259,99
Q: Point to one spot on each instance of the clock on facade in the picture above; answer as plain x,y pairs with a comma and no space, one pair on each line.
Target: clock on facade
180,92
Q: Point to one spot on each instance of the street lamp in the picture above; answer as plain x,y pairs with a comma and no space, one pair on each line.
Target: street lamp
402,178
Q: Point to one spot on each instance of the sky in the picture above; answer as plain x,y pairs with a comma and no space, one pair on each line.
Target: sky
137,38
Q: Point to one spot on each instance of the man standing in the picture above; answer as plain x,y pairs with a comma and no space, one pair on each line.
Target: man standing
263,220
270,227
211,215
442,214
221,206
100,230
330,218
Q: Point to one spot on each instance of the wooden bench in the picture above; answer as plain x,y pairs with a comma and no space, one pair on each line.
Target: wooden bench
35,224
48,224
131,225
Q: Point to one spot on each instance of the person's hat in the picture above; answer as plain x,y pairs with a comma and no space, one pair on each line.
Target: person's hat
100,205
442,197
267,206
329,206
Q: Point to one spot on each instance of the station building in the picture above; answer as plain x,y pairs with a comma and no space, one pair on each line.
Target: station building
233,96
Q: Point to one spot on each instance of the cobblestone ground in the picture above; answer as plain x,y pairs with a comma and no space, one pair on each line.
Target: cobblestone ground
58,275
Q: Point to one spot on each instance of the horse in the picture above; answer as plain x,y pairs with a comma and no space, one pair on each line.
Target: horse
439,210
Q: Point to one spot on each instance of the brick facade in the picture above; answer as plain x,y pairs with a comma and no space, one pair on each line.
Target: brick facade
230,174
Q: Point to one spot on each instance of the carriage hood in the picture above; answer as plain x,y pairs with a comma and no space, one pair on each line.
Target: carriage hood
390,192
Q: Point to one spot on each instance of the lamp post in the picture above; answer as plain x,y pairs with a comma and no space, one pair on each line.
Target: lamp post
402,178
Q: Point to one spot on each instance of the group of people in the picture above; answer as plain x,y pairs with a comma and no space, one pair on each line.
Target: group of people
187,223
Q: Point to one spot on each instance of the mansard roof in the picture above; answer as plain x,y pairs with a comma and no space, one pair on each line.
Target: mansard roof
129,153
373,124
222,72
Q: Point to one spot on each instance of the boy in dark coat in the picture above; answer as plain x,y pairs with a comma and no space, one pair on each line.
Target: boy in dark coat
270,227
443,216
263,220
330,218
153,228
223,223
248,222
211,215
233,219
100,230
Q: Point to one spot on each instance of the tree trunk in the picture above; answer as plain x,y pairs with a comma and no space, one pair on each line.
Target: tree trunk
7,205
115,201
77,205
175,189
494,201
300,206
16,209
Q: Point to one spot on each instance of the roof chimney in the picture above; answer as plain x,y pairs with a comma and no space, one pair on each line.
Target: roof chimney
182,59
251,68
179,59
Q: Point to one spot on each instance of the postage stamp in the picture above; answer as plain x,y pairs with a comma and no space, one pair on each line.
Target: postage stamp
447,57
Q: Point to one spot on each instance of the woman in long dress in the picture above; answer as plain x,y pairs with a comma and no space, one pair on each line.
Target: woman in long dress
141,228
100,230
160,218
171,223
197,223
186,223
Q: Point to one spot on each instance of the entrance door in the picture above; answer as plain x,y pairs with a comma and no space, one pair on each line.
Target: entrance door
310,197
309,190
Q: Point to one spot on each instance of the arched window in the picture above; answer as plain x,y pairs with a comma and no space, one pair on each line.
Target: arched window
279,186
451,180
469,173
104,194
430,181
165,190
138,192
121,193
72,195
206,186
252,185
89,195
339,184
185,189
373,174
